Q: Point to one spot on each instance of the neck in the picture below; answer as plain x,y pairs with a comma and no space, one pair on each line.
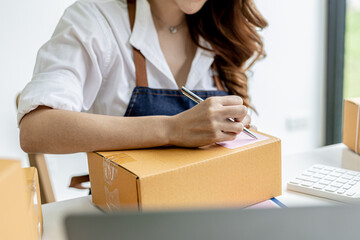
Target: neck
167,11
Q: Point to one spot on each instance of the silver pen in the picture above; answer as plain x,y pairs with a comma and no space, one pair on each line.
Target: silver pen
198,99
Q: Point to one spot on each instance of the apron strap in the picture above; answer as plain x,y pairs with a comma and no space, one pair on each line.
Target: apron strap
139,59
140,62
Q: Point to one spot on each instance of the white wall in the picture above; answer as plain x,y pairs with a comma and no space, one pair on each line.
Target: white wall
287,87
24,27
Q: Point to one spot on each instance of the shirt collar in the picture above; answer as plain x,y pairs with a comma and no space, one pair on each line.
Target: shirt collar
144,37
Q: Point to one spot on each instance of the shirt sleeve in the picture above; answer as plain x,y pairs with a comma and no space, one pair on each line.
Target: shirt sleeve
69,67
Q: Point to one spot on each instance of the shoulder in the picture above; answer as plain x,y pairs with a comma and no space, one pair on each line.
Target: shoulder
96,8
93,6
89,15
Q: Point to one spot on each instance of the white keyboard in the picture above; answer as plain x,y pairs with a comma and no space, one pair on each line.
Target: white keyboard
329,182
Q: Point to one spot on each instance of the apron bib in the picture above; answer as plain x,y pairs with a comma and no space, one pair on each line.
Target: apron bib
147,101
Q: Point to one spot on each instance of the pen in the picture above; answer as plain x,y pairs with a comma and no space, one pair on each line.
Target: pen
198,99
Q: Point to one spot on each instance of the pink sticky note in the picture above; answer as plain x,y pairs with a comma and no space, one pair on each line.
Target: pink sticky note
241,140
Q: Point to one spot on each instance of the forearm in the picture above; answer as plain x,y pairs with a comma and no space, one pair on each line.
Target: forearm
56,131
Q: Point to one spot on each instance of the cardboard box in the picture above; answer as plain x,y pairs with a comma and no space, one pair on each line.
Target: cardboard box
15,220
351,124
33,195
168,178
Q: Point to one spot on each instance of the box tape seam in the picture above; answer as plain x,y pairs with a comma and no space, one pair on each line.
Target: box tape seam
110,173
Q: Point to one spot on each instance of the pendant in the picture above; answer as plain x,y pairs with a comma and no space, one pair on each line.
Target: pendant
173,29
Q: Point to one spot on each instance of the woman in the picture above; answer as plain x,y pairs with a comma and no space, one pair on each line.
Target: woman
103,63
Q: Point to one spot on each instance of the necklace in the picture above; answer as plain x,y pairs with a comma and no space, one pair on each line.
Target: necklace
172,29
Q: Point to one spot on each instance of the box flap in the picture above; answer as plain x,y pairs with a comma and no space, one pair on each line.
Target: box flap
354,100
148,162
112,187
14,203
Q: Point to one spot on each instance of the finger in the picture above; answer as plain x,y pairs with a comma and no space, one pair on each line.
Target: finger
231,100
235,112
226,136
232,127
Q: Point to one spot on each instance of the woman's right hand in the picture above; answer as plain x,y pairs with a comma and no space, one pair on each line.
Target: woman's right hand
208,122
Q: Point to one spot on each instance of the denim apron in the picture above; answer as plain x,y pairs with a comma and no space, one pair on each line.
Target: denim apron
146,101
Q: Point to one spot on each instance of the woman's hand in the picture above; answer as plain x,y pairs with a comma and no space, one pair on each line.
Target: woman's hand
208,122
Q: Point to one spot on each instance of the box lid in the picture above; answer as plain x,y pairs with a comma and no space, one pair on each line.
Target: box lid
147,162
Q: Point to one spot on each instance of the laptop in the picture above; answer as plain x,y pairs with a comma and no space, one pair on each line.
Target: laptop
332,222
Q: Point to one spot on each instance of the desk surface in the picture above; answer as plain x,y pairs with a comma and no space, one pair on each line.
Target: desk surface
335,155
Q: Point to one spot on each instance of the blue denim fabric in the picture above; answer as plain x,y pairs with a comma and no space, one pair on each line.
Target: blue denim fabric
147,101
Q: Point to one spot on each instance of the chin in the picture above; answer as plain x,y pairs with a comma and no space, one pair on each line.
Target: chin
190,6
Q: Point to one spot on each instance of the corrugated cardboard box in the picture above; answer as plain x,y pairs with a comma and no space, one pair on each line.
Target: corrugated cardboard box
163,178
351,124
33,195
15,220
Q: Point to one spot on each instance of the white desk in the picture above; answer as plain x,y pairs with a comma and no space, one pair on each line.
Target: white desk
336,155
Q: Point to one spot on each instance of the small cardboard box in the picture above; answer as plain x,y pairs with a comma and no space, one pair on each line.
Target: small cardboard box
169,178
351,124
15,220
33,195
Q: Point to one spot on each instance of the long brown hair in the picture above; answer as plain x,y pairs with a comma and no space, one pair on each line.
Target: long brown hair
230,27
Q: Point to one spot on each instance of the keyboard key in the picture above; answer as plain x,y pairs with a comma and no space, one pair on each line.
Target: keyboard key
303,178
296,181
335,184
331,189
330,178
323,171
307,184
308,179
319,176
347,187
334,174
350,193
352,173
353,182
357,179
319,186
340,170
325,182
308,174
314,180
347,177
341,191
341,180
329,168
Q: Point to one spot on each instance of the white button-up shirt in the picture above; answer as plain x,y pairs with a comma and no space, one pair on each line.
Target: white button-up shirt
88,65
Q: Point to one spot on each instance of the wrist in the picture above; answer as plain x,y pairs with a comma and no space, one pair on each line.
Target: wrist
168,126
